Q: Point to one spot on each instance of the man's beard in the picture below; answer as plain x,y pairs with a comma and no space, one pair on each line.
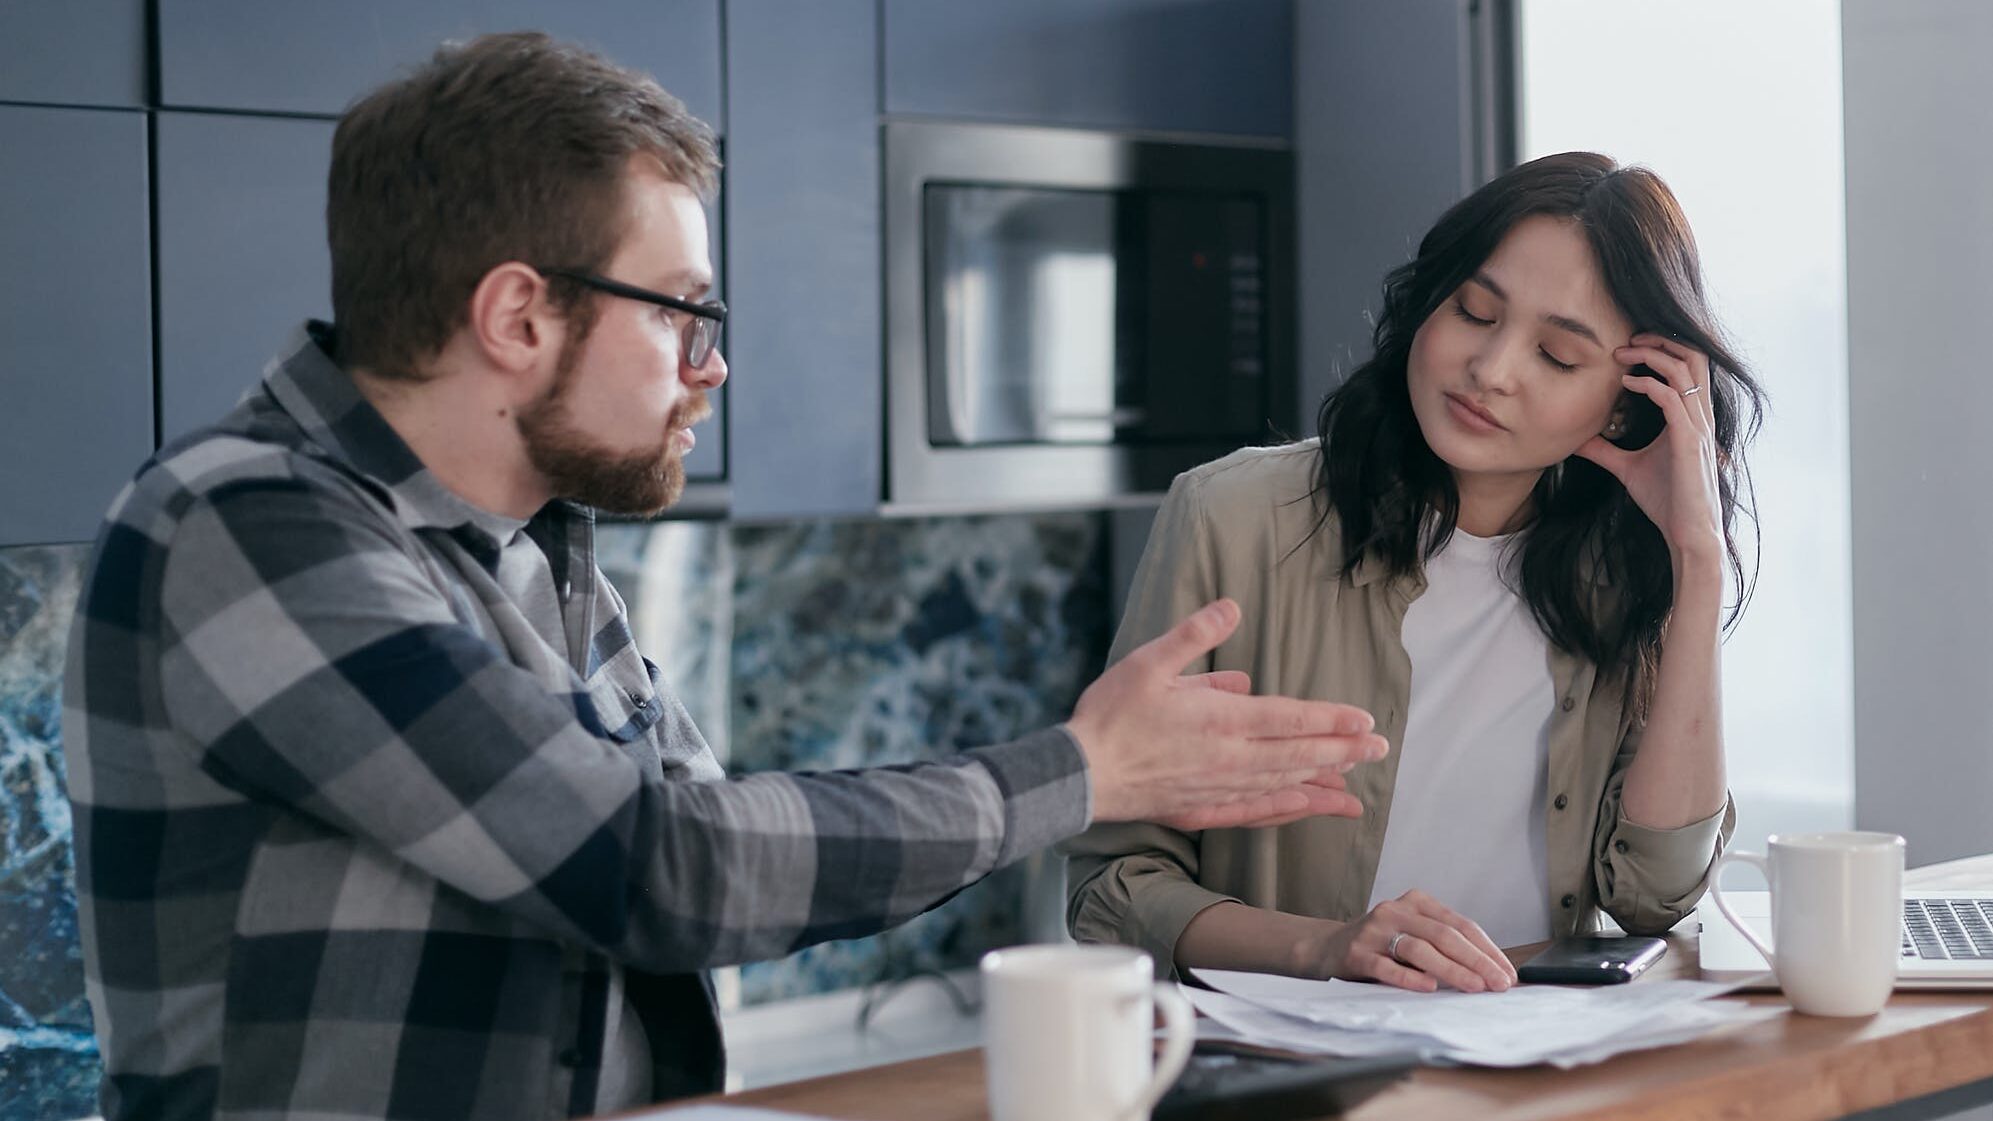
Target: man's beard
640,483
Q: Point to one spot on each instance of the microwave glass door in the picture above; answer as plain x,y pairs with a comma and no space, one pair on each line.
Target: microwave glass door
1060,316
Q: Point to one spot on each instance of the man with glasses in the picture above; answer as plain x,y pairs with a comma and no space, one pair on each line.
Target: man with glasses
379,810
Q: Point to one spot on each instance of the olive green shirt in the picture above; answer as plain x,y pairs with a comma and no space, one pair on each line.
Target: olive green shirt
1246,527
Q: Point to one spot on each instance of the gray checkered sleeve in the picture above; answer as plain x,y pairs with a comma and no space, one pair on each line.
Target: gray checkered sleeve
311,661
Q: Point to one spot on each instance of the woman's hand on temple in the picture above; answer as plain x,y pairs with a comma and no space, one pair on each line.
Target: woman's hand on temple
1674,479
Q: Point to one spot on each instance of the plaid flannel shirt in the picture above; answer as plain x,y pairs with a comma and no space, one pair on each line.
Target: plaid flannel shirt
335,842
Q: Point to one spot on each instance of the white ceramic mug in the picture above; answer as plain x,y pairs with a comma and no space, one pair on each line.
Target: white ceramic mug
1837,916
1070,1033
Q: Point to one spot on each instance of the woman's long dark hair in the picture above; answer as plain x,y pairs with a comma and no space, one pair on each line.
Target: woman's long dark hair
1396,500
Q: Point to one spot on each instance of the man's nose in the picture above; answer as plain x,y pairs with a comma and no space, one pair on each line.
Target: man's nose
708,375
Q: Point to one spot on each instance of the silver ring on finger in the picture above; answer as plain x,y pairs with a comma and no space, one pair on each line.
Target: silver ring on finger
1692,390
1391,948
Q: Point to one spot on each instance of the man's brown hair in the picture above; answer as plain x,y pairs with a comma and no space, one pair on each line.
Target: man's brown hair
507,148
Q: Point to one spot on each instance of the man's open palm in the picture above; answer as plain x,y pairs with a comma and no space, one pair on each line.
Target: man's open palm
1201,752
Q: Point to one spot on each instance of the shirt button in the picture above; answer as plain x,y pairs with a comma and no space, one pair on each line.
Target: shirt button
636,698
1568,704
1561,801
1569,901
569,1057
1619,846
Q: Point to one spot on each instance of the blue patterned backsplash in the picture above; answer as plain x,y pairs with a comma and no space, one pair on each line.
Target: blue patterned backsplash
48,1058
856,643
808,646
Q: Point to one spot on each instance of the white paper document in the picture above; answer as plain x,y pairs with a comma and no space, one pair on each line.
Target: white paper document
1529,1024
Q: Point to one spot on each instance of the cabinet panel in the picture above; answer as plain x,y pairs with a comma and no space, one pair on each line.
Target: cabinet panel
306,56
75,319
1179,65
803,257
1384,124
242,256
73,52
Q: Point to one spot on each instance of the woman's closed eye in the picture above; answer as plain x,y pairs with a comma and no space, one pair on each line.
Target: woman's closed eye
1460,309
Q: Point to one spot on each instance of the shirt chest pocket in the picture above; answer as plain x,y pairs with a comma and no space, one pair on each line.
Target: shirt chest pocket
627,699
648,720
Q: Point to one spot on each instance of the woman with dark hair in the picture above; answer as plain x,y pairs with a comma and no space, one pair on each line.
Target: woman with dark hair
1509,543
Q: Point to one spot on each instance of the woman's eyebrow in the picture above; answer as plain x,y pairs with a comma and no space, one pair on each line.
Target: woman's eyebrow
1561,322
1575,326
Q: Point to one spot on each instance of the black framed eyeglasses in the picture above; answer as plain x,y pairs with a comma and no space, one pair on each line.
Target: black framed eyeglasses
707,317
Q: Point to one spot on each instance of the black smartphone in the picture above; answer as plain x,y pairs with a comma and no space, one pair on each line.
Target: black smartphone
1643,417
1592,960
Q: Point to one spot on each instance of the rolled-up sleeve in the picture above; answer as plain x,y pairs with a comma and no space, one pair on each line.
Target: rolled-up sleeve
1136,883
1650,879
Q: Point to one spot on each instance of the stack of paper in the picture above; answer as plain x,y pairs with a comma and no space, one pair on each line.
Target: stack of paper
1528,1024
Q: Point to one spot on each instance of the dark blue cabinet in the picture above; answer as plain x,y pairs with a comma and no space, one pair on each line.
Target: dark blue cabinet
307,56
242,256
73,52
244,93
75,319
803,256
1177,65
1386,127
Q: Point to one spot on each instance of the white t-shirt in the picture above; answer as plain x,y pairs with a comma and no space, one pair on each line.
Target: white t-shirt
1467,812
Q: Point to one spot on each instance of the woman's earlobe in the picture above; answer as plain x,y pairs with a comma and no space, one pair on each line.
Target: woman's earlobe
1614,427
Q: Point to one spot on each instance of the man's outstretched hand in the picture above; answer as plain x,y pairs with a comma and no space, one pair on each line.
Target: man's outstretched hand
1200,752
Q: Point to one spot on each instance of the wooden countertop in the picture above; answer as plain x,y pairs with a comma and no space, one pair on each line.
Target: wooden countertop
1793,1068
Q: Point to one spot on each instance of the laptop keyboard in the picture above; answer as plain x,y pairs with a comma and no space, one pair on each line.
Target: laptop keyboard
1948,929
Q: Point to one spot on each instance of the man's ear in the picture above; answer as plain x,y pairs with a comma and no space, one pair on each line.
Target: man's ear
511,322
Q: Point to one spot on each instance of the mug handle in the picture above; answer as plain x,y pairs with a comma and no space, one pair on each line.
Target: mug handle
1757,861
1180,1032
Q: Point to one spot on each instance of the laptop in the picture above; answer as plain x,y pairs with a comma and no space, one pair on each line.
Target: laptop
1947,940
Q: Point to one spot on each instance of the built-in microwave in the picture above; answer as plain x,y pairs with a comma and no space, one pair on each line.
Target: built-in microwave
1074,317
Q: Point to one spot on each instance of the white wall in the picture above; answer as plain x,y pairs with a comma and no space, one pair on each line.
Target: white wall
1920,297
1738,107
